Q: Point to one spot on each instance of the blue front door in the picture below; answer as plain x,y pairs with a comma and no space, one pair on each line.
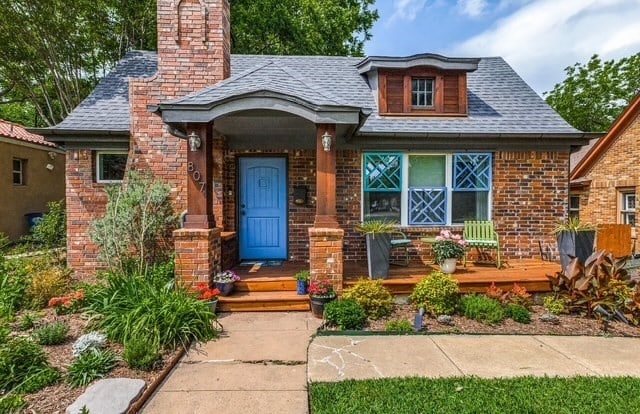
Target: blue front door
262,208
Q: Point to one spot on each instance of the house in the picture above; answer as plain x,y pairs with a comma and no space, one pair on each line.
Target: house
605,175
279,157
32,175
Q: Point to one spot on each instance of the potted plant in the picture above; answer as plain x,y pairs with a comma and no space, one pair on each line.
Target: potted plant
225,281
575,239
303,281
208,294
320,293
378,235
448,249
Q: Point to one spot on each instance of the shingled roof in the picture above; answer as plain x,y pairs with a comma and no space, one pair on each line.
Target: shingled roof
18,133
500,102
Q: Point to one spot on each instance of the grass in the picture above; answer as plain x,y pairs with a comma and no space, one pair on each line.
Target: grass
475,395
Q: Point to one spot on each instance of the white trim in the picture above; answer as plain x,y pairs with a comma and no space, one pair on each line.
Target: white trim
98,165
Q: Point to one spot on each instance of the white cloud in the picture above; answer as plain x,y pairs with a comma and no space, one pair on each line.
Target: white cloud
472,8
543,37
406,9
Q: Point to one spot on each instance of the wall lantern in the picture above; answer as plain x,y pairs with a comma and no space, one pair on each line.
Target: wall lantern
194,141
326,142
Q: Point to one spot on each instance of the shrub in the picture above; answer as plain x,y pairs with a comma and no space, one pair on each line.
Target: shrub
90,366
46,283
436,293
14,281
88,342
71,303
518,313
28,321
345,314
51,231
482,308
12,403
138,221
53,334
517,294
399,326
24,366
129,304
375,299
141,353
554,305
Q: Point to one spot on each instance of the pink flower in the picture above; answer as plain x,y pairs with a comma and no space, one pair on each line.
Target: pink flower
456,237
446,234
439,238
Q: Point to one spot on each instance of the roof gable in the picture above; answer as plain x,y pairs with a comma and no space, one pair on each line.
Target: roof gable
597,151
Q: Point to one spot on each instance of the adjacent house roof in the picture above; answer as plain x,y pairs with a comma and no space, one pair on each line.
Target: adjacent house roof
597,149
18,133
500,102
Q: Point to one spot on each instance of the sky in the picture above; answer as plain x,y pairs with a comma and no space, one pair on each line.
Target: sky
538,38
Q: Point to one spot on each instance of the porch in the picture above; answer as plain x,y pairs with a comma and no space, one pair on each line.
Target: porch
273,288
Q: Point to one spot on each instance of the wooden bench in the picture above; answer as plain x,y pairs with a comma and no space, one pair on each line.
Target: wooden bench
480,234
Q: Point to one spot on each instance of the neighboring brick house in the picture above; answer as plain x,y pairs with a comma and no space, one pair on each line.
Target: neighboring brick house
286,154
32,175
605,175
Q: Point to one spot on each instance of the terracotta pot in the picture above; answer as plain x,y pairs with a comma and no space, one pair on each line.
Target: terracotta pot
448,266
317,305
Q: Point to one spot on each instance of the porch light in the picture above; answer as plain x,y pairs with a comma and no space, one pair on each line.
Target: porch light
194,141
326,141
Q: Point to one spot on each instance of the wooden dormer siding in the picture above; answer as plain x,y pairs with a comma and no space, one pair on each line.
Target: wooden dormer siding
450,94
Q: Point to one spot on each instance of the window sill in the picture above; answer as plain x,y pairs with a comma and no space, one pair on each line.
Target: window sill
424,113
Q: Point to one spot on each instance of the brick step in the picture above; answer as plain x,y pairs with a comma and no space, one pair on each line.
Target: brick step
263,301
266,284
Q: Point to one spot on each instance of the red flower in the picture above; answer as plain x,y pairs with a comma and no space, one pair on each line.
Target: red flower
205,292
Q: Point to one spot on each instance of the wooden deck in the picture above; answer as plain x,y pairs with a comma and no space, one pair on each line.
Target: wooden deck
273,288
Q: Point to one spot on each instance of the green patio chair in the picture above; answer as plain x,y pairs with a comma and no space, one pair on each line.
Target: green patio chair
481,235
400,241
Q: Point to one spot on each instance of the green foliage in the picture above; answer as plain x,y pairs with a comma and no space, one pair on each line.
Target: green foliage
518,313
12,403
601,281
27,321
14,281
303,275
51,232
595,93
573,224
90,366
377,227
374,298
345,314
140,353
137,224
399,326
436,293
482,308
47,282
128,306
532,395
554,305
53,334
24,366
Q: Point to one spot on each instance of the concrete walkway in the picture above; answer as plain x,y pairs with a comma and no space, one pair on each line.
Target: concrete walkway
260,363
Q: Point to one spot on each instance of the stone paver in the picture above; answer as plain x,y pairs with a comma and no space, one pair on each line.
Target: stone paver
108,396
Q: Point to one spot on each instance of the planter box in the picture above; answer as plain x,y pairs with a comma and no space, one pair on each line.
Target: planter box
378,253
575,244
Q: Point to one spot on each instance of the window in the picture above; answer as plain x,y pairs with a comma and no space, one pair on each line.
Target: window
628,208
427,189
422,92
18,171
574,206
110,166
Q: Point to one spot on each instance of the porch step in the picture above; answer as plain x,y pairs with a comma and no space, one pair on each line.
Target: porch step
266,284
246,301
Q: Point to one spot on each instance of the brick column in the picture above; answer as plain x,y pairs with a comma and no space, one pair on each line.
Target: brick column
198,254
325,255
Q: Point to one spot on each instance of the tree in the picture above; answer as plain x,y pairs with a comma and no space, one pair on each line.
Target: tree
594,94
53,52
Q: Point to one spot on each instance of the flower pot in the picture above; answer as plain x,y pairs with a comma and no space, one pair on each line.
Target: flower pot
317,305
448,266
213,304
302,287
378,252
575,244
225,288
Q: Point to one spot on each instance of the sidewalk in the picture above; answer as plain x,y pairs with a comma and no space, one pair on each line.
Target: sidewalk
259,365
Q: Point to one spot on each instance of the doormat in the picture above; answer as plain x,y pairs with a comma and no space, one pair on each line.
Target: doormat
262,263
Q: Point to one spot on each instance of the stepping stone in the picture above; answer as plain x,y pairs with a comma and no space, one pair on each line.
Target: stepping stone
108,396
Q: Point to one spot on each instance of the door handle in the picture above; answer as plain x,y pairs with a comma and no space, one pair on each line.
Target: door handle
242,205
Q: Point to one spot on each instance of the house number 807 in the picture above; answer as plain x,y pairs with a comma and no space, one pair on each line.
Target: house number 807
197,176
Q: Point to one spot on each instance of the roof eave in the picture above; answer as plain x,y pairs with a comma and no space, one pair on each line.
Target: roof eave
79,135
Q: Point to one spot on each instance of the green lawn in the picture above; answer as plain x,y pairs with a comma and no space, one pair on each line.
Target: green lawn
475,395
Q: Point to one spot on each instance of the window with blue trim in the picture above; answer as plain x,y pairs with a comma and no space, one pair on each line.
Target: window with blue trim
427,189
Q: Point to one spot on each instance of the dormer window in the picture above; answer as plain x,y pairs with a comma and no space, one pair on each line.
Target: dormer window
422,92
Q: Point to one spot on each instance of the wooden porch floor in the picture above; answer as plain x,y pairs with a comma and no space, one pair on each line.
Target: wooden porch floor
273,287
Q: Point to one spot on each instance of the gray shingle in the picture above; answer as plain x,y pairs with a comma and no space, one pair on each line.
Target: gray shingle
500,101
